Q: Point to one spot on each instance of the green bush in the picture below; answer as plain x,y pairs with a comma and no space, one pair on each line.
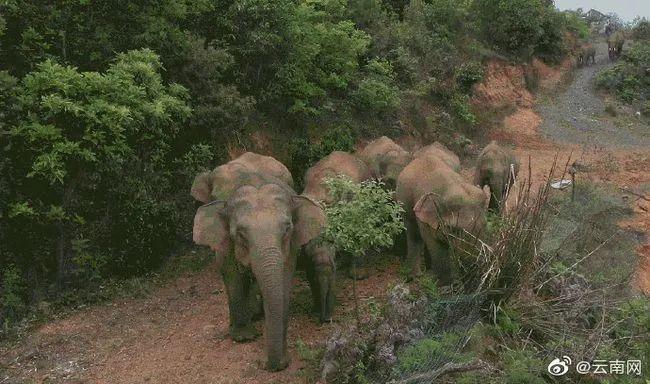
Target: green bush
92,169
641,29
523,27
377,92
303,153
468,74
428,353
628,78
12,295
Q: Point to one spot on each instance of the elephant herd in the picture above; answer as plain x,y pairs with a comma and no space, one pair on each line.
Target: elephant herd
261,229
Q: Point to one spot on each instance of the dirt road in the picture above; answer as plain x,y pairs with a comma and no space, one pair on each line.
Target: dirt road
577,115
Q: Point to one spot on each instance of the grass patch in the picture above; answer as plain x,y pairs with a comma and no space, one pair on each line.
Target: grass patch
548,279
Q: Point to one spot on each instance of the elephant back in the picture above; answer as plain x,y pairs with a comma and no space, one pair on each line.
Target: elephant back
438,150
445,195
422,175
335,164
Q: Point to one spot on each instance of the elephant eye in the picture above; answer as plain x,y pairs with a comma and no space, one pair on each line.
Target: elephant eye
241,237
287,227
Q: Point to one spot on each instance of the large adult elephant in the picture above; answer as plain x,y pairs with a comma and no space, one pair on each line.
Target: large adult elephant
335,164
438,150
615,44
385,159
497,168
257,225
433,195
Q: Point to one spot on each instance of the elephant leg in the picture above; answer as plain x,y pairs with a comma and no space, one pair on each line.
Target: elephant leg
438,252
358,268
414,247
321,274
496,196
314,286
238,287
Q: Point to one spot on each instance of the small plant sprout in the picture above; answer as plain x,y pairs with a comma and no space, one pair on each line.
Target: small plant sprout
363,217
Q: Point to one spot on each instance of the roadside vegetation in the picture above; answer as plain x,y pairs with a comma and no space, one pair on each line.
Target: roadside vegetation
531,289
628,79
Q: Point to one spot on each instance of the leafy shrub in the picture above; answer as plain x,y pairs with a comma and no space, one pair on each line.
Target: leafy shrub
303,153
430,352
91,161
363,217
576,25
523,368
377,92
512,26
468,74
628,78
523,27
12,300
641,29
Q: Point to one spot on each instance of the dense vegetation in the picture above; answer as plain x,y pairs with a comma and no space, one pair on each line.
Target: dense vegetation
532,289
109,108
628,79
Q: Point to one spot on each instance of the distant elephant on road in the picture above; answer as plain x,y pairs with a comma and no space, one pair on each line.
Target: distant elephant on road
615,44
585,53
497,168
257,225
434,194
385,159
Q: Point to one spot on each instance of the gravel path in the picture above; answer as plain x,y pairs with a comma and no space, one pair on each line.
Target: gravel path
577,115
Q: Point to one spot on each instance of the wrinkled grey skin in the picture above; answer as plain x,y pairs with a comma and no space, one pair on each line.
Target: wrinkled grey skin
433,194
385,159
497,168
321,274
257,225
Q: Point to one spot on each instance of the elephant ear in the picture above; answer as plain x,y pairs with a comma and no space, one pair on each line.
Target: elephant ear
309,220
211,228
202,187
426,210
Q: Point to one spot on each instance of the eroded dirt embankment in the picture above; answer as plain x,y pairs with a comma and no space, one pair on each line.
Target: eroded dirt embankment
568,123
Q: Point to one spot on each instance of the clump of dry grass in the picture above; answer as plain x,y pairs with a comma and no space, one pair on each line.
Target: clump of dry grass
499,262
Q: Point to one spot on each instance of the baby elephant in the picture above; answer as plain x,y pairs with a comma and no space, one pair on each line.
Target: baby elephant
585,53
497,168
433,195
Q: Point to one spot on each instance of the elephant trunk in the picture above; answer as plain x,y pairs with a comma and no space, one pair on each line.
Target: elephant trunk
325,275
270,273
